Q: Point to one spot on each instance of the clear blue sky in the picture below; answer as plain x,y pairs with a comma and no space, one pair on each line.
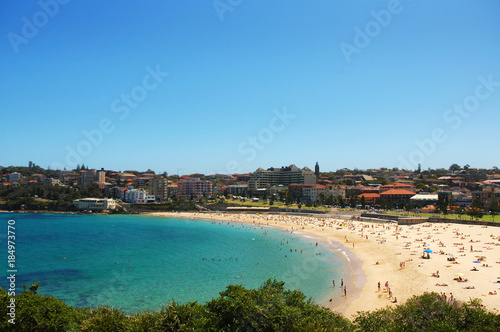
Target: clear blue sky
355,83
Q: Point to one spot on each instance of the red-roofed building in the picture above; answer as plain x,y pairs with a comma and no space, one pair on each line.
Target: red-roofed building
396,195
370,198
398,185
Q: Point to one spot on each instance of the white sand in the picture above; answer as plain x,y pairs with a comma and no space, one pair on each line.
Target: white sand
390,245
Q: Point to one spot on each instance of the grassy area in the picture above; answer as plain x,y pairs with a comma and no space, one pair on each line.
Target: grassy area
448,216
276,204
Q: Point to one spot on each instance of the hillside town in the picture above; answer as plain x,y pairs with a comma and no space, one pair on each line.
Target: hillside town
454,190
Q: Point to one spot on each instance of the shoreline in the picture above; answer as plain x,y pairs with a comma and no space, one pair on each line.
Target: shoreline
392,246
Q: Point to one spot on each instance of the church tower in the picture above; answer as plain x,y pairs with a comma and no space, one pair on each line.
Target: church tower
316,171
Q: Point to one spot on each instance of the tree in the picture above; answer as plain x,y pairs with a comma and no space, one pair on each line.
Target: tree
341,201
442,203
353,201
476,209
322,198
421,186
386,205
363,202
493,208
329,200
454,168
270,308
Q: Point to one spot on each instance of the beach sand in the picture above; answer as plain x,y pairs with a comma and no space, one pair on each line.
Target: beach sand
390,253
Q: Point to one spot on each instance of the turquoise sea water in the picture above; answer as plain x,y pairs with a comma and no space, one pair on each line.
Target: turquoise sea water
140,262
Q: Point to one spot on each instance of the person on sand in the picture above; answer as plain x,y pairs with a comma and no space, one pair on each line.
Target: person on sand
395,300
493,293
379,286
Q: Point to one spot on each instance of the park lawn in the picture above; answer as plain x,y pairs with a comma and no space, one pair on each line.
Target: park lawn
448,216
276,204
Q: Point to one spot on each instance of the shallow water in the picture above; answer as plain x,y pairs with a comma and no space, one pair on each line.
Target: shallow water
140,262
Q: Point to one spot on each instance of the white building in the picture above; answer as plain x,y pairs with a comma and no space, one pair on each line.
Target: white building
95,204
136,196
14,177
313,193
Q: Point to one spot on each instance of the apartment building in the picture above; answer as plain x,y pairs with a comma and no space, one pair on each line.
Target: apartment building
158,186
285,176
194,187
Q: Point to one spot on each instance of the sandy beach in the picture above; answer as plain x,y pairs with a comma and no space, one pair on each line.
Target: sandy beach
392,254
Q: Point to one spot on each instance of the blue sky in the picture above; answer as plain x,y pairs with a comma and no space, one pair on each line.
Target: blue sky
229,86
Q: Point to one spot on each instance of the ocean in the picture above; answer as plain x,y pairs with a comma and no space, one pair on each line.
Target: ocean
140,263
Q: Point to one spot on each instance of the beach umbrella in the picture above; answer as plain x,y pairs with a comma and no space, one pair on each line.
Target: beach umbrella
429,251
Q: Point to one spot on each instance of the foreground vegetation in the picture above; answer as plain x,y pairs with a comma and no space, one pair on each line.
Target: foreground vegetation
270,308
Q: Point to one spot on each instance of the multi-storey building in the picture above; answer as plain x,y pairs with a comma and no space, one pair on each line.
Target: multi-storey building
398,185
87,177
285,176
101,176
194,187
236,189
313,193
14,177
158,186
490,194
136,196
